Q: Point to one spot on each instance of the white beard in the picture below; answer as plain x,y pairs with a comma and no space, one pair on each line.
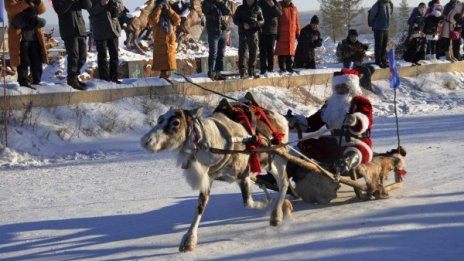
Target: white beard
335,112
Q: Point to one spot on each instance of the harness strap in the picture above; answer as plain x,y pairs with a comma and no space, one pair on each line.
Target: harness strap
277,136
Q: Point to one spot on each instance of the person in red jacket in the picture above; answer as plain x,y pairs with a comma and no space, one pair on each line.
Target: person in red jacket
348,116
288,32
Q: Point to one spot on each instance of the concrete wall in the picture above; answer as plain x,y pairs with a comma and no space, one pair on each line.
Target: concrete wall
93,96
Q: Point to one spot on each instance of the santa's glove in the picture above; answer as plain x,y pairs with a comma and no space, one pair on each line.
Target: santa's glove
350,120
296,121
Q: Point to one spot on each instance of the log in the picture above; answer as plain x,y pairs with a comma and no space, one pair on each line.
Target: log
311,166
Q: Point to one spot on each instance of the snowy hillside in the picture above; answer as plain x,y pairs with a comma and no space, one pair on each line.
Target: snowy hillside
78,186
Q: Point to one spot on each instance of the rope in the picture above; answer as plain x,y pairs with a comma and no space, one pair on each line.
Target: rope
209,90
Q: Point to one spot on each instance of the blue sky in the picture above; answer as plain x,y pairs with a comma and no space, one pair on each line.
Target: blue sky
303,5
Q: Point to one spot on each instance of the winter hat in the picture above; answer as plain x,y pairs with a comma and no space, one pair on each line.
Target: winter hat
160,2
348,77
352,32
315,20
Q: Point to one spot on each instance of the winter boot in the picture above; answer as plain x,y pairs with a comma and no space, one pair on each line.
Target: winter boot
344,165
450,56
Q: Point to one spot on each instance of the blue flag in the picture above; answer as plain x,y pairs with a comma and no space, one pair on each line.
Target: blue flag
394,78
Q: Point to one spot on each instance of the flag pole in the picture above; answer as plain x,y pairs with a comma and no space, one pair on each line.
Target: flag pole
396,118
394,83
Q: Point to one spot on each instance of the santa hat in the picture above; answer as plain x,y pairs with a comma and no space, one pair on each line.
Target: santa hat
348,77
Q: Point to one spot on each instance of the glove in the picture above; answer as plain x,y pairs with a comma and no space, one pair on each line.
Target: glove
350,120
296,119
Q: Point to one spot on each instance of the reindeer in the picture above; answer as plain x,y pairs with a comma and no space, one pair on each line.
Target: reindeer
137,24
193,138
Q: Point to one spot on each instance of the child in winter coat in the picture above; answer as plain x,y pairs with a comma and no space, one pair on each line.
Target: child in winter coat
432,30
309,39
349,51
416,44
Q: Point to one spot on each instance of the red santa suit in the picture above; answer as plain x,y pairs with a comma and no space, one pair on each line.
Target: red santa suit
344,137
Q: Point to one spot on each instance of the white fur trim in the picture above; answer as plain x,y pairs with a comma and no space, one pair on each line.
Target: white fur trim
360,117
360,143
349,79
355,150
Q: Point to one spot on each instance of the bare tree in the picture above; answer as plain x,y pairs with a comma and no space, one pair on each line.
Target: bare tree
338,16
351,9
404,11
332,18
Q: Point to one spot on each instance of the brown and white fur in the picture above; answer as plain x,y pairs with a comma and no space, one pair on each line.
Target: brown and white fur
137,24
376,171
173,132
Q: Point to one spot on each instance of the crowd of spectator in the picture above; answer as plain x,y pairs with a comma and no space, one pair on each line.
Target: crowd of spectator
266,28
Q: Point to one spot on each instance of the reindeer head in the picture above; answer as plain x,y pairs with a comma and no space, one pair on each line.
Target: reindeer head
170,133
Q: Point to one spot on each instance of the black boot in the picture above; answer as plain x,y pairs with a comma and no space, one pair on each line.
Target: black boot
344,165
267,181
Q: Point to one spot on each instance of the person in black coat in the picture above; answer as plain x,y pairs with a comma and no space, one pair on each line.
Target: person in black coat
309,39
415,48
432,32
352,54
106,30
417,18
73,33
249,19
217,13
268,35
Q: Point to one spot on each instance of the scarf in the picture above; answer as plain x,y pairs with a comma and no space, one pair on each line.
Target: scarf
165,22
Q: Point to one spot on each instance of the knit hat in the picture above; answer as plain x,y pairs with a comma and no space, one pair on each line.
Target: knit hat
348,77
352,32
315,20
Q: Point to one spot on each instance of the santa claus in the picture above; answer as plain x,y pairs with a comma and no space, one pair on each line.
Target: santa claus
348,116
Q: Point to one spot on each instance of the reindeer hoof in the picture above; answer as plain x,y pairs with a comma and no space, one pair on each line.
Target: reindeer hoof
188,248
275,222
188,243
276,217
287,208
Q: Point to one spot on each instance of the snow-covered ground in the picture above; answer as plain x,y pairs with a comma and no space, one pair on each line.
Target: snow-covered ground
76,185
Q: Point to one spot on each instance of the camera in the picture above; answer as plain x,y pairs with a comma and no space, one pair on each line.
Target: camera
115,8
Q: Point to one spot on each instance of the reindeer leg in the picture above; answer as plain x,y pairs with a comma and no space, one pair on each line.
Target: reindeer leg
278,170
189,240
136,42
248,201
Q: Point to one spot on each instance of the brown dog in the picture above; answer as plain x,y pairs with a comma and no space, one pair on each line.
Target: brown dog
376,171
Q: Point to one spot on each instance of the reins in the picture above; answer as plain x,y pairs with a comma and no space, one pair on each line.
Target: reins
268,149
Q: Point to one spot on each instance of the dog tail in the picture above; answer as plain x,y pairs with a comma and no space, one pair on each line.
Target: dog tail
400,150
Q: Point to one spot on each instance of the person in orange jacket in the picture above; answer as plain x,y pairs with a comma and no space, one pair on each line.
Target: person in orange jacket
26,39
288,32
164,21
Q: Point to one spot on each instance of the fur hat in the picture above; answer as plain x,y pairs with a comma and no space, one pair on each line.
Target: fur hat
348,77
352,32
315,20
